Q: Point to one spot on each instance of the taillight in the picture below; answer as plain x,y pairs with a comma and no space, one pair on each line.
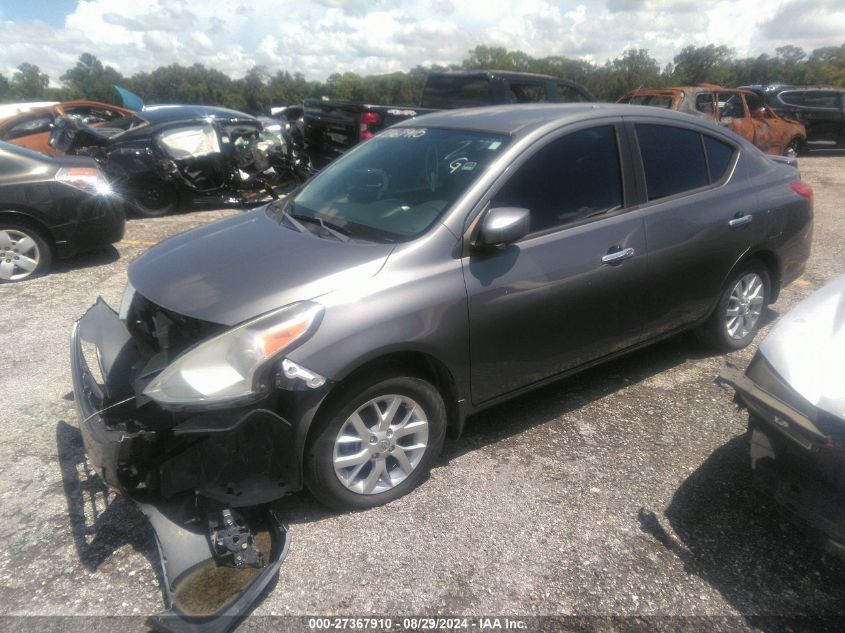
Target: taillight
88,179
802,189
368,121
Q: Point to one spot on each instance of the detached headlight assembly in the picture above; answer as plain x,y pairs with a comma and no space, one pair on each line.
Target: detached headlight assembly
229,366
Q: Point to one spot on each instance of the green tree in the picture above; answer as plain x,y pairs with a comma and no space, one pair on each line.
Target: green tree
635,69
188,85
703,64
256,91
4,87
345,87
29,83
89,79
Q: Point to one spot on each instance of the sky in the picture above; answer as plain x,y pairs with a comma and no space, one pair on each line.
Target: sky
321,37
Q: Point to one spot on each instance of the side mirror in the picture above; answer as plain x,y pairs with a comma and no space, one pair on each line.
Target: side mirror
503,225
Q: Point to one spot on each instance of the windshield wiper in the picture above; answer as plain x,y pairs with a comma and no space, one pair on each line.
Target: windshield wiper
334,230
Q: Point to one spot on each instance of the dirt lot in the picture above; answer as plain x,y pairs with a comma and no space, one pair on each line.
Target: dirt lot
621,492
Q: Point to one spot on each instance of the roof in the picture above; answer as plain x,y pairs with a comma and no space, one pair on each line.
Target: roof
683,89
163,113
524,118
489,73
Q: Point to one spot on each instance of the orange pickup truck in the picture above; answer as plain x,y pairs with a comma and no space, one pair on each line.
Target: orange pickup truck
741,111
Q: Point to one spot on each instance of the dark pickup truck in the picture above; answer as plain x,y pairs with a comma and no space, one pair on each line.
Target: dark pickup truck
332,127
820,109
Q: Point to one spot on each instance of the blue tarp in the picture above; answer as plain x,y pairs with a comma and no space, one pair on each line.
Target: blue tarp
130,99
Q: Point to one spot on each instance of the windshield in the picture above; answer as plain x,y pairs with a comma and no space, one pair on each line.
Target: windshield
398,184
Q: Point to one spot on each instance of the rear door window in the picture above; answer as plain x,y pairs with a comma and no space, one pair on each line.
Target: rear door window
526,92
673,160
568,94
446,92
821,99
570,179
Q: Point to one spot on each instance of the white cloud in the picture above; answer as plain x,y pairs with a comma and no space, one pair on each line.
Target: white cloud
320,37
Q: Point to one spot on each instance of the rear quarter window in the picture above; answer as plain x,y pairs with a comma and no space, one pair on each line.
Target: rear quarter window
673,160
719,156
792,98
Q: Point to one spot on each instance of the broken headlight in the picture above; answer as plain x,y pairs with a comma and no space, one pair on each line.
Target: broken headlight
229,366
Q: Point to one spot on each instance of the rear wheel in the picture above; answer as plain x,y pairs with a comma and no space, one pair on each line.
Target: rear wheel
151,198
376,442
738,315
24,252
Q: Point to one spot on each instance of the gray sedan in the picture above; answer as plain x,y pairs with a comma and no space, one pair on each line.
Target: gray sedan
332,339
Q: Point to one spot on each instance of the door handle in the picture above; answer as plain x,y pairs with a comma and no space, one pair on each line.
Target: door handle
618,256
743,219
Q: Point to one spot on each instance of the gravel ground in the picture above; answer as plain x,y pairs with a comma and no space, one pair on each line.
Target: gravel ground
624,491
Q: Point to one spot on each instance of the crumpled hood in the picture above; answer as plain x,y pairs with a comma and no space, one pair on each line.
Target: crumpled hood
807,348
244,266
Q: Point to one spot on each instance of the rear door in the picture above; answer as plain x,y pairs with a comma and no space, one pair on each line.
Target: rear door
572,290
699,217
734,115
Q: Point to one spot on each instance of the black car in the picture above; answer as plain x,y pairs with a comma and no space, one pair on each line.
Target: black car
51,207
170,156
447,264
820,109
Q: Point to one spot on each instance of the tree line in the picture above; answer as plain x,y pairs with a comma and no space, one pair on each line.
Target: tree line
258,90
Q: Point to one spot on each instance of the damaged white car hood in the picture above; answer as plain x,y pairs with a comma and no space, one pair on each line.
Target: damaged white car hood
807,348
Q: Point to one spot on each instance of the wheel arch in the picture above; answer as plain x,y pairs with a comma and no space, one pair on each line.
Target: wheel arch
24,216
773,268
403,362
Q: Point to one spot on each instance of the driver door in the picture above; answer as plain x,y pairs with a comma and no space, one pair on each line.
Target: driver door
569,292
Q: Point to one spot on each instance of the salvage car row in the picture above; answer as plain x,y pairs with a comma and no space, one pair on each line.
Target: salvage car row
161,158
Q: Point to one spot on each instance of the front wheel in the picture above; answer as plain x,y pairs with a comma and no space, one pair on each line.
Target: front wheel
738,315
376,442
24,253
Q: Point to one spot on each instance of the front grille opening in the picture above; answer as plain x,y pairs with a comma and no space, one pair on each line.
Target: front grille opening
157,329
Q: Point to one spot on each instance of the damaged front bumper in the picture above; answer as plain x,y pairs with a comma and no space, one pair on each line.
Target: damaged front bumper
202,478
797,451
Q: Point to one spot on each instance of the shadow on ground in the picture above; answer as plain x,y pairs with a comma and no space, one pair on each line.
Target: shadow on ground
100,520
749,549
90,259
538,407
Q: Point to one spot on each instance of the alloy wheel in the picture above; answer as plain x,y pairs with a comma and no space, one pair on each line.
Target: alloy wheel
744,306
380,444
19,255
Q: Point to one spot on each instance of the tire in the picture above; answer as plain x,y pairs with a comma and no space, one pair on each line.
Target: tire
793,148
747,296
151,198
369,471
24,252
